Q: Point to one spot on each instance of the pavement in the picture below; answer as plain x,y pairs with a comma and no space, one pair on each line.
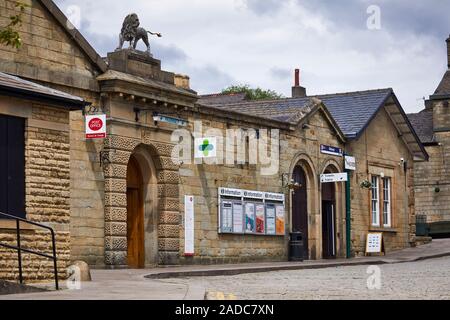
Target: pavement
190,282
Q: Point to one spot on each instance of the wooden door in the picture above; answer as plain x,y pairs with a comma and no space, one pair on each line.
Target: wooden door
300,207
135,216
328,221
12,166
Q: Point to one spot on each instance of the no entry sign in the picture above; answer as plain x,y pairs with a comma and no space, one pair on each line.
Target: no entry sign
96,127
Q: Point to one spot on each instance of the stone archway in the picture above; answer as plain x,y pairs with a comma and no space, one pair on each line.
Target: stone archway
142,158
332,214
302,168
161,201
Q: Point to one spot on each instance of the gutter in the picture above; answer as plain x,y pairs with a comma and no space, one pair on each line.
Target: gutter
42,97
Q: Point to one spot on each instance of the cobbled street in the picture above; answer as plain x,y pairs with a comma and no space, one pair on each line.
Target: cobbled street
419,280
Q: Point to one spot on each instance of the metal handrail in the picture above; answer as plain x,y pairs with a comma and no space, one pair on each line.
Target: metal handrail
20,249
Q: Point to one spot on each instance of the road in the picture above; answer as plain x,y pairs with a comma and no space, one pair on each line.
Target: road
429,279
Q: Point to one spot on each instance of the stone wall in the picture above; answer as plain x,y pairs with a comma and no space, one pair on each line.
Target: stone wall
48,54
51,56
377,151
203,181
432,178
47,189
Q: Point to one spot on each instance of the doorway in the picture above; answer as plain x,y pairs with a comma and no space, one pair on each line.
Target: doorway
12,166
135,215
328,220
300,207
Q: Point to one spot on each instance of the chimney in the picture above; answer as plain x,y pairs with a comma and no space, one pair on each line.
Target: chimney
448,51
297,90
182,81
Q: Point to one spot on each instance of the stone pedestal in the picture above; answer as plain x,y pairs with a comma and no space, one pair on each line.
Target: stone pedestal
139,63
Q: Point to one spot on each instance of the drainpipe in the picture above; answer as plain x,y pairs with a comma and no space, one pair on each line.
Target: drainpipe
348,216
348,213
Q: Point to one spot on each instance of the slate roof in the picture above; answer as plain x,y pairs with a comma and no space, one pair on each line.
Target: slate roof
352,110
423,125
222,98
15,86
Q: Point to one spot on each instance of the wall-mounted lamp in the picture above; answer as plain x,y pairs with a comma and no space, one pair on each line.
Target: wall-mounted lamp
404,164
290,183
306,126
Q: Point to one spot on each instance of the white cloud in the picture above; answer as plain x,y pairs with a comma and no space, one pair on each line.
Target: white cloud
222,42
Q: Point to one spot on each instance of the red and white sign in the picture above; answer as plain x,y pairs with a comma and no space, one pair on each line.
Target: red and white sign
96,126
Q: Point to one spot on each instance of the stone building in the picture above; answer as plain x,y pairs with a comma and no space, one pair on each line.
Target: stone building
34,173
377,132
127,205
432,179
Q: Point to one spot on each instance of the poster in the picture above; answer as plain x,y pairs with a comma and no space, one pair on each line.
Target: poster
270,220
249,217
238,218
260,219
189,225
227,217
280,221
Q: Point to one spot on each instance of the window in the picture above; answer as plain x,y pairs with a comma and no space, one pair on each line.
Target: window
387,202
375,202
381,208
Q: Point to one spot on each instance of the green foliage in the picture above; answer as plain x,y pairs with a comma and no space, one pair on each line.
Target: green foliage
253,94
9,36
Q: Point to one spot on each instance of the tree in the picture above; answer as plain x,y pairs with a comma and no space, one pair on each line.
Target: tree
253,94
9,36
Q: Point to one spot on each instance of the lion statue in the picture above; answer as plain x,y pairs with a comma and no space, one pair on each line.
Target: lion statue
133,33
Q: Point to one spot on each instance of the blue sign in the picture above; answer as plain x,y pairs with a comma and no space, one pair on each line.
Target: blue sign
171,120
334,151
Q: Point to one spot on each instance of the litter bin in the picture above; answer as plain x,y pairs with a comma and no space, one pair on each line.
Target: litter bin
422,228
296,247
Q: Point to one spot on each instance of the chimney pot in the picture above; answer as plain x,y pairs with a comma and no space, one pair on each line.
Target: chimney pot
297,90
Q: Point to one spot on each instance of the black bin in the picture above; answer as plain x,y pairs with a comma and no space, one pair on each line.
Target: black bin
422,228
296,247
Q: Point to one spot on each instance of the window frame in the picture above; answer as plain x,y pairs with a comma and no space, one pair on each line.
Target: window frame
384,200
387,193
375,208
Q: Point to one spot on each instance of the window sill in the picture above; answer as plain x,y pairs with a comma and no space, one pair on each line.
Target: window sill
381,229
11,225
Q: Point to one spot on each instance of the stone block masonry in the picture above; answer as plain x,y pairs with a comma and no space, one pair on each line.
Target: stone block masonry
47,195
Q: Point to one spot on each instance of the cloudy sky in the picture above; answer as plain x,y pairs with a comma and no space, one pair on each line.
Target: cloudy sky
260,42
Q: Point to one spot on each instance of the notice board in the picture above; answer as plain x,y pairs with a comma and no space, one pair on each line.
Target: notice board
251,212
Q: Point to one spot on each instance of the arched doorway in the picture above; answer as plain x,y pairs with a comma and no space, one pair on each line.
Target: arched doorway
300,207
328,220
135,215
